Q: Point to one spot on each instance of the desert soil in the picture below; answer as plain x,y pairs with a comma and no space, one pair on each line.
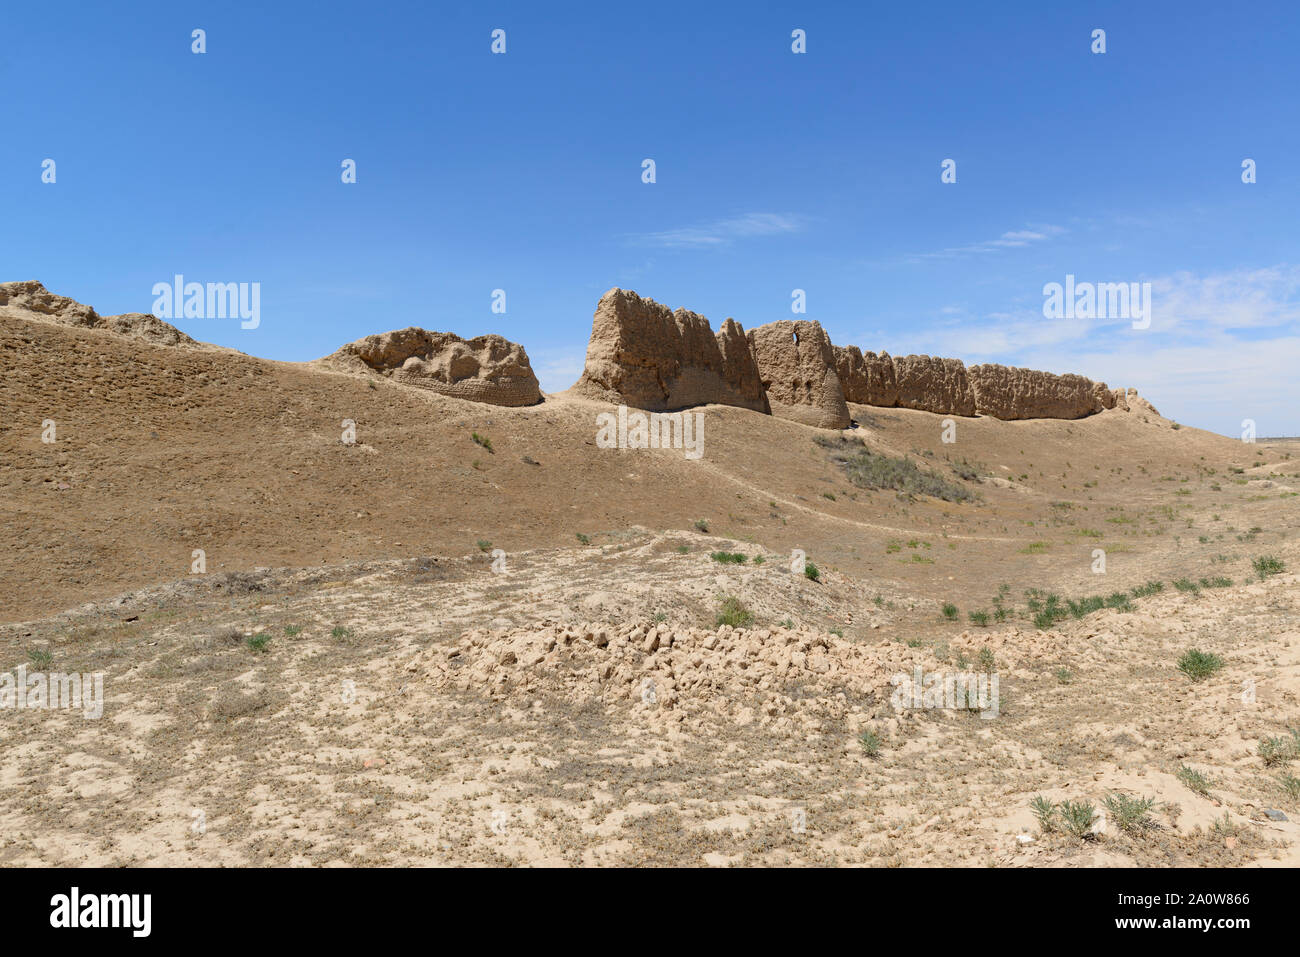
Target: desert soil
355,680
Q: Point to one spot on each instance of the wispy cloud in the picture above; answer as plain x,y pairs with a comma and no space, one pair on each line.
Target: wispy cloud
1013,239
1221,347
723,232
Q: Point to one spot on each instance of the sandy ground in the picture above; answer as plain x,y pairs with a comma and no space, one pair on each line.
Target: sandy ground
355,680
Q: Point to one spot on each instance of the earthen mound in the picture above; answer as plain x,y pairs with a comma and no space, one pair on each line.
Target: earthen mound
32,301
486,368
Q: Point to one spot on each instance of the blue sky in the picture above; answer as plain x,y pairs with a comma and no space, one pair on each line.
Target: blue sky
775,171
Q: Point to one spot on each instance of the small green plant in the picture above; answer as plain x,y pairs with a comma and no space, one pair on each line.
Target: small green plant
1149,589
259,641
583,539
1224,827
811,573
759,559
986,660
292,631
1290,785
871,470
1078,817
1118,600
1267,565
40,657
660,617
702,526
482,440
1199,664
483,545
1278,750
870,742
1187,585
732,612
1045,812
950,611
1194,780
683,549
1063,675
837,632
787,623
1130,813
980,618
728,558
339,631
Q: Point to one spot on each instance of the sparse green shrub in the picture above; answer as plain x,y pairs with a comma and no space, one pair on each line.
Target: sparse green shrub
1277,750
338,631
950,611
483,545
1199,664
1290,785
1045,812
732,612
728,558
870,470
811,572
1078,817
1063,675
979,618
40,658
1267,565
292,631
1130,813
986,661
702,526
1150,588
482,440
870,742
1194,780
583,539
259,641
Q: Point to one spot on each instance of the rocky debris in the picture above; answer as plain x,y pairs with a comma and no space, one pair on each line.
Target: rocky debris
797,365
932,384
865,377
31,300
1011,393
778,676
487,368
1135,403
643,355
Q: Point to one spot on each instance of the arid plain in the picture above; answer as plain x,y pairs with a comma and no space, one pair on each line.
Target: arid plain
473,635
